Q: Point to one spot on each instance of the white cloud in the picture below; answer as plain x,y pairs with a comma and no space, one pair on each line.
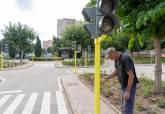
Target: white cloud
42,16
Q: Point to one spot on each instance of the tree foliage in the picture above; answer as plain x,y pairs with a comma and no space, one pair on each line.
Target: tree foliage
38,48
76,33
57,43
20,36
142,17
91,3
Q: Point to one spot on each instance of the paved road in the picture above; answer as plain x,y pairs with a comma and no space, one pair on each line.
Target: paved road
32,91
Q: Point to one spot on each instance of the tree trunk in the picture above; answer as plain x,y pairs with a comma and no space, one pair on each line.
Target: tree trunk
21,57
158,68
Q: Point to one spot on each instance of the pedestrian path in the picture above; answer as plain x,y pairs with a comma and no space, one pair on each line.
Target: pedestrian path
28,103
81,97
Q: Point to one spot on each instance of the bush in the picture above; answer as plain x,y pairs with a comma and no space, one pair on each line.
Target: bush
161,103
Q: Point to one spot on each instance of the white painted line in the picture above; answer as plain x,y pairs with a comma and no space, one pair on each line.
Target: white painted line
61,103
59,84
11,109
4,99
30,104
9,92
45,108
2,80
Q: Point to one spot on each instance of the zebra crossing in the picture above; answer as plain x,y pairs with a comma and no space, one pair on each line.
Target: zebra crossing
27,101
44,65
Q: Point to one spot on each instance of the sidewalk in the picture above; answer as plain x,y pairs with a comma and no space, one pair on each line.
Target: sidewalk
81,98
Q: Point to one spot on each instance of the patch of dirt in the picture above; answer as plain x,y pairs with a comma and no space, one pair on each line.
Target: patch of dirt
146,101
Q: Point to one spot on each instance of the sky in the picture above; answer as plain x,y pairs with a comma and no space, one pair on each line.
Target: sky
41,15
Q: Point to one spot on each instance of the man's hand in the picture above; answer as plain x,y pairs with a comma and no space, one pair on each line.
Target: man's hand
127,95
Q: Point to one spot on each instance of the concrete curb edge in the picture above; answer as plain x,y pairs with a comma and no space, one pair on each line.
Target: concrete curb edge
67,98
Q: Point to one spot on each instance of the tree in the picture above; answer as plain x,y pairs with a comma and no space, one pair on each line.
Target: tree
147,19
20,36
50,50
76,33
91,3
12,51
57,43
38,48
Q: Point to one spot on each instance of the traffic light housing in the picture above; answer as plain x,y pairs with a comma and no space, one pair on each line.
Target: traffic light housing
90,17
101,19
107,21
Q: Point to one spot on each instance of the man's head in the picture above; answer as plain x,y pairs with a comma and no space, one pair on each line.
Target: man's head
112,54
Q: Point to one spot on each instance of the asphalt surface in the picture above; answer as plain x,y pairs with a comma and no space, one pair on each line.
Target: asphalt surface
34,90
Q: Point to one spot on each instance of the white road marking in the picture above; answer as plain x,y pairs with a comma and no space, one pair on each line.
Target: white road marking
4,99
60,100
45,108
44,65
3,80
30,104
61,103
7,92
59,84
14,104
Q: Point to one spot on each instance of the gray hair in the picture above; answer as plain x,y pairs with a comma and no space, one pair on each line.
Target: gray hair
109,51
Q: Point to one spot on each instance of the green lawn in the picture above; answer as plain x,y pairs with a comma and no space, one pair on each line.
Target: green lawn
146,60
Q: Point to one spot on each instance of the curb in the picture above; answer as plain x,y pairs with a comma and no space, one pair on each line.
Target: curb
102,98
18,68
67,98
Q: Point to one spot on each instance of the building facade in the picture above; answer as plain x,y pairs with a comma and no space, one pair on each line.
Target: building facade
47,44
62,23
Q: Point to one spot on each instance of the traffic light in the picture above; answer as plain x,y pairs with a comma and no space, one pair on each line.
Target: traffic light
106,19
90,17
101,19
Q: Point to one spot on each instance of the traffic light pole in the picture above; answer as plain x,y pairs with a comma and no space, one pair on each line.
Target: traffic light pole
97,75
86,59
75,61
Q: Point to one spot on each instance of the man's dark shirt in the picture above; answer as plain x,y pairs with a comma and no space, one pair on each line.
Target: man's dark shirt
123,65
